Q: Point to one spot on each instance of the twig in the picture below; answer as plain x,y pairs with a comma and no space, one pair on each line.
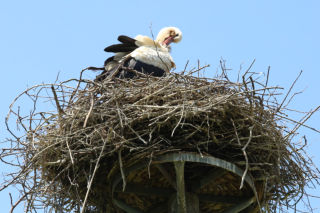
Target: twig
93,175
246,157
17,203
301,123
89,112
60,111
243,151
74,92
185,68
181,117
249,68
70,153
121,170
292,85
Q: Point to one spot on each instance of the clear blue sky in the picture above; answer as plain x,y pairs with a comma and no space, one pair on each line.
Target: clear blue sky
39,39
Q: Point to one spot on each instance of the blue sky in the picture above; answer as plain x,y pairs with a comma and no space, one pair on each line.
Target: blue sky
40,39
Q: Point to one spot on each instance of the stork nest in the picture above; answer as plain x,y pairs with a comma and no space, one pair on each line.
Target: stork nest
68,156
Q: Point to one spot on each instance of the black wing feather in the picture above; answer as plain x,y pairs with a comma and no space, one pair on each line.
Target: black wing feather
128,45
127,40
120,48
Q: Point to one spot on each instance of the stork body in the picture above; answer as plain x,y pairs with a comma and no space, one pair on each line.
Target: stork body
141,54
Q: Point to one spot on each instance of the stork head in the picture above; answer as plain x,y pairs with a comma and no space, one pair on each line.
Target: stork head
168,35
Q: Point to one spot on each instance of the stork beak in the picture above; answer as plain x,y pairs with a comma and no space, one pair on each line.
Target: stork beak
169,40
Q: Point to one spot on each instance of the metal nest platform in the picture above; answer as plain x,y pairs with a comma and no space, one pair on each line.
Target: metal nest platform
184,183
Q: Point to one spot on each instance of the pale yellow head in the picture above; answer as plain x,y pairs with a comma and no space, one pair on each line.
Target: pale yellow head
168,35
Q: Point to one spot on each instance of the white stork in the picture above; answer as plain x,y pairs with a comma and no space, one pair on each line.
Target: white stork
142,54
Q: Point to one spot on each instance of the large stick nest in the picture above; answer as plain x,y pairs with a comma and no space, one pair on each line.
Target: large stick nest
71,153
